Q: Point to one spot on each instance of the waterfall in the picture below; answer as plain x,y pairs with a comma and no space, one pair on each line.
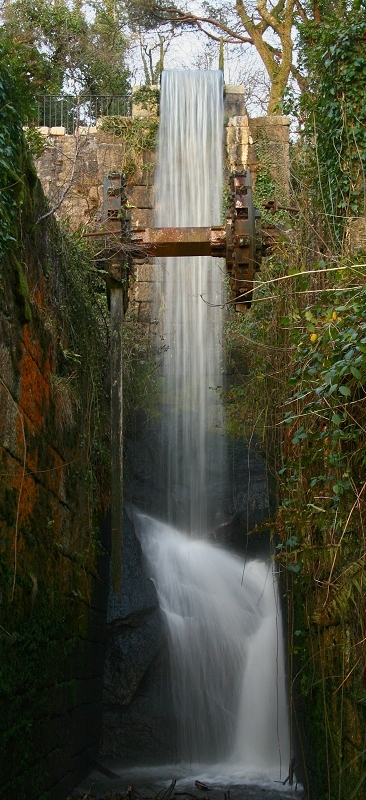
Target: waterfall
226,652
223,619
189,193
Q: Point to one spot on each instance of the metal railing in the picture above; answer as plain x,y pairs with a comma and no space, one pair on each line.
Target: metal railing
69,111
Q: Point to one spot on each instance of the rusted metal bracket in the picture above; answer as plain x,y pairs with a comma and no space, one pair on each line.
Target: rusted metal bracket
116,225
241,241
273,206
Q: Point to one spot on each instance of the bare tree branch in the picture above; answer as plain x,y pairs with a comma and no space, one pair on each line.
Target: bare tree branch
185,18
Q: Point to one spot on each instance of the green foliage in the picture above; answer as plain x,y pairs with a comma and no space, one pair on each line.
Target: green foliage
148,97
33,651
334,110
65,45
10,177
140,373
300,358
81,378
35,141
138,135
19,65
258,352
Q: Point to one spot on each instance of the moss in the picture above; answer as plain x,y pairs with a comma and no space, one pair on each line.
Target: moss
21,290
31,174
30,661
56,315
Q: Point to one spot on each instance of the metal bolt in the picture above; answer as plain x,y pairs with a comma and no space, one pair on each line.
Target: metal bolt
243,241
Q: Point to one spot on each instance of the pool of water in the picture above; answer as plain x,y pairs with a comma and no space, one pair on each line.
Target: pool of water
149,781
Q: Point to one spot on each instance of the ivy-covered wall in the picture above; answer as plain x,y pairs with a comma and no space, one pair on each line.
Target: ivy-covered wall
302,392
54,487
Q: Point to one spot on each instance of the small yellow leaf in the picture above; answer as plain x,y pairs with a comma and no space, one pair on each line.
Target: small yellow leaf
313,337
334,315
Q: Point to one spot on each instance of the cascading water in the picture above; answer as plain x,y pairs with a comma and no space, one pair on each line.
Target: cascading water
223,620
226,652
189,193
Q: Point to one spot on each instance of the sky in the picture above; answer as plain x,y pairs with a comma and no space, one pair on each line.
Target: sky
192,50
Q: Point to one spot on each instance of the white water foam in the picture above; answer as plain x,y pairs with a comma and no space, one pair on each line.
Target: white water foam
226,654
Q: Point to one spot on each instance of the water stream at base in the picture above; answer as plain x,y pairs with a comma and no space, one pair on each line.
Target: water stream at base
223,620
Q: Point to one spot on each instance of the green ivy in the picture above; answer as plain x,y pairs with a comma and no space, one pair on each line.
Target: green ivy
148,97
10,178
138,134
334,111
327,408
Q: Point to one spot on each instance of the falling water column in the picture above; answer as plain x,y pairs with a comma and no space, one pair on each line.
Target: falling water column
189,193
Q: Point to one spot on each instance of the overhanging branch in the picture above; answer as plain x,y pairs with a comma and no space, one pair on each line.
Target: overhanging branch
176,16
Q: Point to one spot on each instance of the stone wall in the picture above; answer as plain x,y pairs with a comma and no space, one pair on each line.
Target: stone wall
54,424
248,139
79,164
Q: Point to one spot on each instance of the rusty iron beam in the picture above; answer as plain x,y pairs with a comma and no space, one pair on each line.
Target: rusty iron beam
167,242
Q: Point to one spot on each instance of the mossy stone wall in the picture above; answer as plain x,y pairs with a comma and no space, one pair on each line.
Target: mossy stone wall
54,490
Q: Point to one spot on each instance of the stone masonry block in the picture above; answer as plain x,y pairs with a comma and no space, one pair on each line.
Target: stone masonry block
143,175
141,218
145,272
83,130
140,196
57,130
144,291
274,119
149,157
356,233
276,128
105,137
109,157
234,101
145,312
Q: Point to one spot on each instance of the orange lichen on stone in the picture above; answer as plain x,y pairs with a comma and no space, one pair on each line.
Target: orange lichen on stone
37,350
35,385
38,297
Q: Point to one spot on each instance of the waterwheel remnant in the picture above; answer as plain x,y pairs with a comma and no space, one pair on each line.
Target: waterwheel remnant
241,242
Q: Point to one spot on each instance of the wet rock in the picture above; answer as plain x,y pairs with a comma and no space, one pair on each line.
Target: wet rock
130,651
135,684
